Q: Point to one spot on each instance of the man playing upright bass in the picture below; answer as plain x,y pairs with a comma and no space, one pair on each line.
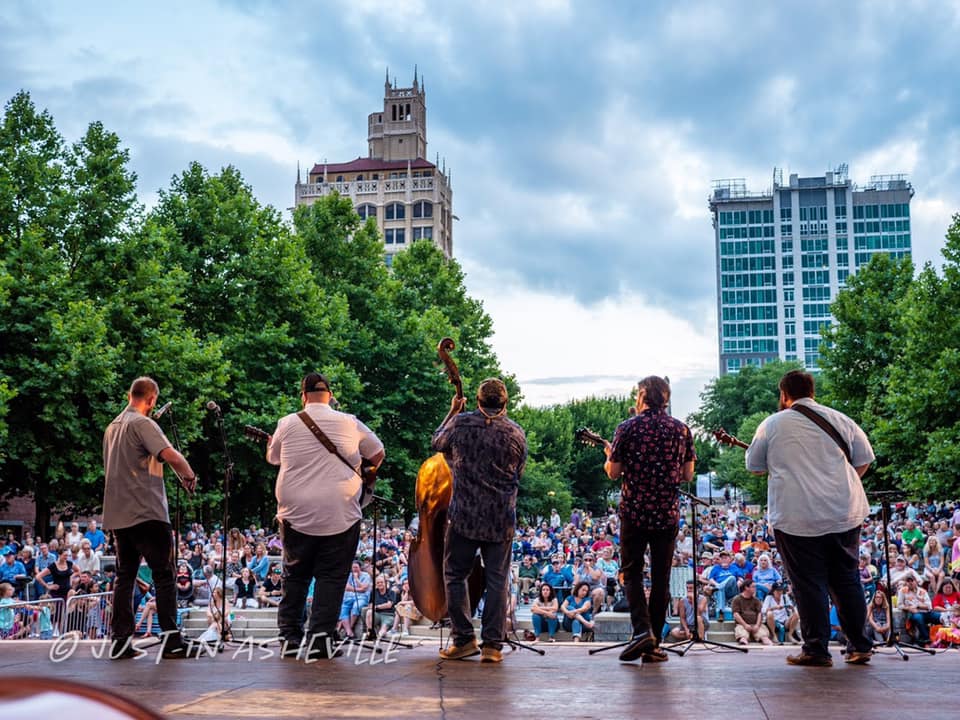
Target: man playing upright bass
486,453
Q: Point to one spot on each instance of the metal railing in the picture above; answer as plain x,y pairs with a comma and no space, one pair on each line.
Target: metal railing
38,619
88,614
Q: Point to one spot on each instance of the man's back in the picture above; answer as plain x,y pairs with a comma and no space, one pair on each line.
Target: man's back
812,488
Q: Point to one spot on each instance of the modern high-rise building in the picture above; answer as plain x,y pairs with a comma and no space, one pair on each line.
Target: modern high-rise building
410,197
783,254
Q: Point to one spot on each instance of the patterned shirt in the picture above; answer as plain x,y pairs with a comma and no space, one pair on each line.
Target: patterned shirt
652,447
487,461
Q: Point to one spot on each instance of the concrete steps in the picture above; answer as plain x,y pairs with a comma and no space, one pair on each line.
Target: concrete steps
261,624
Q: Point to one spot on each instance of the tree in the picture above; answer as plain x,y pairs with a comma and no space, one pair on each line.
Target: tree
728,399
731,467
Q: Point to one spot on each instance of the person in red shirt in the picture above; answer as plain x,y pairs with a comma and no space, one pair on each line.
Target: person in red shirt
601,542
946,599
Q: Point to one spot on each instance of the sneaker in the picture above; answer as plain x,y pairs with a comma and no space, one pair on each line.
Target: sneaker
810,660
657,655
640,644
490,655
458,652
858,658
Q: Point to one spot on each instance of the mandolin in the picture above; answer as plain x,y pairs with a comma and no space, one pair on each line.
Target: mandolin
589,437
725,438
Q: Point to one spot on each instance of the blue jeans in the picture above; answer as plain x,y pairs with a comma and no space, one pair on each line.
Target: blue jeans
575,627
921,621
728,590
541,623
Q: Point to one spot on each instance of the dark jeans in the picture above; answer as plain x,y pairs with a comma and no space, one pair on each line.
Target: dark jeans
459,553
633,543
153,541
325,559
821,567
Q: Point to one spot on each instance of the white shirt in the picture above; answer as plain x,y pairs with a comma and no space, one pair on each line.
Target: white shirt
316,492
811,489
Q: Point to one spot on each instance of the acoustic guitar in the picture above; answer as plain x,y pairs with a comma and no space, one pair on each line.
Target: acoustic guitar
725,438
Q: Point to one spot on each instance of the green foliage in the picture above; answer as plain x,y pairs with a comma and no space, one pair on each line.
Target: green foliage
731,469
728,399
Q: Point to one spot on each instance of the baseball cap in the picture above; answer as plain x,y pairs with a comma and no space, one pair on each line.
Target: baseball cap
7,550
314,382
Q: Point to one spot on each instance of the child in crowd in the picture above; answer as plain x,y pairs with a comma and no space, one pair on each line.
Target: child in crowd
9,620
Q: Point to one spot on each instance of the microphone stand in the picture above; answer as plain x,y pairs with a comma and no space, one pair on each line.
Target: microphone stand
177,517
683,647
227,484
893,638
378,501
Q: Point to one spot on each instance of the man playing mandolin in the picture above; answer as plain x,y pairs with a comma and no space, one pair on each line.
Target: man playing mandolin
318,505
486,453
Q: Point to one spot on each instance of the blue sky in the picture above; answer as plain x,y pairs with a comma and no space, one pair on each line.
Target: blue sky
582,137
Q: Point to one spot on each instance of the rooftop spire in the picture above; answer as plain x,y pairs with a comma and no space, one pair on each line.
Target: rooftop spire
386,81
298,172
414,76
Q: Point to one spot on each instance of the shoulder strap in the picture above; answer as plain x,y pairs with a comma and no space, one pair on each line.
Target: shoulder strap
322,437
826,427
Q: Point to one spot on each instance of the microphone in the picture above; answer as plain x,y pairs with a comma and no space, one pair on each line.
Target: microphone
213,407
157,414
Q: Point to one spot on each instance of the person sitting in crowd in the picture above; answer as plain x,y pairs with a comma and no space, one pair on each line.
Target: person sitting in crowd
543,613
683,631
611,571
914,603
900,572
781,615
595,580
933,564
215,617
234,565
879,619
560,576
743,569
948,634
11,626
272,588
748,615
724,580
185,588
406,609
12,571
765,576
527,576
577,611
868,576
259,564
355,598
947,600
381,612
98,540
74,536
245,587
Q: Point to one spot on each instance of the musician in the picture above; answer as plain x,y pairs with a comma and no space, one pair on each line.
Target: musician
817,506
318,506
653,453
135,509
486,452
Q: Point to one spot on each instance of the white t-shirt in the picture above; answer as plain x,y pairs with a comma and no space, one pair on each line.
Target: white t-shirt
316,492
811,489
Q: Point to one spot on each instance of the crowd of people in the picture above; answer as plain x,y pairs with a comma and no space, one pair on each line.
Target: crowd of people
564,571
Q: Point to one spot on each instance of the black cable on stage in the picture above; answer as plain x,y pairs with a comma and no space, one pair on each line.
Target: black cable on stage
440,678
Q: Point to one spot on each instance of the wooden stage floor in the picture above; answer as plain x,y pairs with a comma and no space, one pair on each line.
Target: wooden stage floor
565,683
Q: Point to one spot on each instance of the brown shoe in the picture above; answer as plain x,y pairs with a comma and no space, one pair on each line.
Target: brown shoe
458,652
858,658
490,655
657,655
810,660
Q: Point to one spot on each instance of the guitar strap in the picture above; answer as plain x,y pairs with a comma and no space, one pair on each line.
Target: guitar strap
322,437
826,427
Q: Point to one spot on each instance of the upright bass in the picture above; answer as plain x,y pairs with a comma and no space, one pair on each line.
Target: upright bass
433,493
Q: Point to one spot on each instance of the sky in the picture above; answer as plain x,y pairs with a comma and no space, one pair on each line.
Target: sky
582,137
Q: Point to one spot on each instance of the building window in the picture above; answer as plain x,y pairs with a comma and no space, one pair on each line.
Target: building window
339,178
367,211
395,211
399,236
423,209
388,236
423,233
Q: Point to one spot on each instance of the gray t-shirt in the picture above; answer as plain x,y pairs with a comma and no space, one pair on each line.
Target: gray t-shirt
133,472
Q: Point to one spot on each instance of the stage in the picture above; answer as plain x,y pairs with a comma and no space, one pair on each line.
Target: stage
565,683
